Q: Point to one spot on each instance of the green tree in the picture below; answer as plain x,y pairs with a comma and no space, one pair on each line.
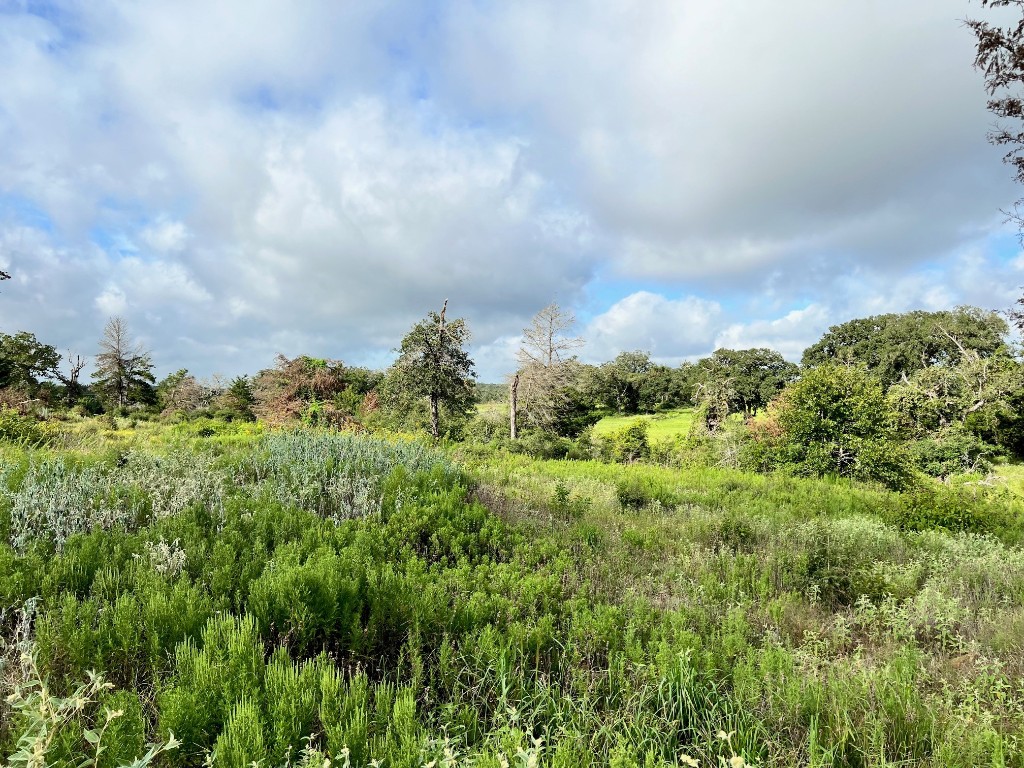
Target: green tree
182,392
619,384
893,346
835,421
754,377
239,399
24,360
433,364
124,369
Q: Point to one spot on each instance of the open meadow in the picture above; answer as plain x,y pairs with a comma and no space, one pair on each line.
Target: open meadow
284,597
665,425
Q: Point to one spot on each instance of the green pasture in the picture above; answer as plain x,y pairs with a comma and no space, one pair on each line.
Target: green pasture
661,426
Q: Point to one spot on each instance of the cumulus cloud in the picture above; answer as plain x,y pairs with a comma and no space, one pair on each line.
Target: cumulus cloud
669,329
240,179
717,141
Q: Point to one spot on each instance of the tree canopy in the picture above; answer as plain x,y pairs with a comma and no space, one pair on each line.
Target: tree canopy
1000,57
433,364
892,346
754,376
24,360
835,421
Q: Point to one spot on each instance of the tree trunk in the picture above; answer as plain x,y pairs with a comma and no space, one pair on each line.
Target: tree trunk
513,406
435,427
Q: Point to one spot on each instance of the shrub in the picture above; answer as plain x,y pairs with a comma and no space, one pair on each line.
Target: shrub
18,429
951,452
949,509
630,443
834,421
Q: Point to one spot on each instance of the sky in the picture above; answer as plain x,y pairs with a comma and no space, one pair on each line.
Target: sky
241,179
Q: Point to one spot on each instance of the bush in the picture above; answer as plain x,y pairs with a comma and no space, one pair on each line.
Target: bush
951,452
18,429
951,509
834,421
630,443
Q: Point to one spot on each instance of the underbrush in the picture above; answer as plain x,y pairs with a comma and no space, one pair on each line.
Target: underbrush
285,598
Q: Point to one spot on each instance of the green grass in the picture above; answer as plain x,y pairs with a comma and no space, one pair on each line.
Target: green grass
1012,474
662,426
488,408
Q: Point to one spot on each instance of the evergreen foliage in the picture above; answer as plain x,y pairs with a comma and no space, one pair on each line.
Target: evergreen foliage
433,364
835,421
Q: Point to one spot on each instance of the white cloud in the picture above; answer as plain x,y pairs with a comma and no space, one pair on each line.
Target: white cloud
165,236
669,329
789,335
239,179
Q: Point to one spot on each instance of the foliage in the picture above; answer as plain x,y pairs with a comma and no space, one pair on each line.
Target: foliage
751,377
714,397
181,392
433,364
1000,56
239,400
87,722
24,360
513,611
975,393
318,391
951,451
619,383
834,421
894,346
124,369
631,443
18,429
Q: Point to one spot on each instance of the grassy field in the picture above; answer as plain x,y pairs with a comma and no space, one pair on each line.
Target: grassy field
281,598
661,426
1012,475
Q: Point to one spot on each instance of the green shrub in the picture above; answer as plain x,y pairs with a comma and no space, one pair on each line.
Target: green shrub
20,430
950,509
951,452
630,443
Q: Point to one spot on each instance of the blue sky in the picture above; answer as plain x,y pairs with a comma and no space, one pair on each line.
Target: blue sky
239,180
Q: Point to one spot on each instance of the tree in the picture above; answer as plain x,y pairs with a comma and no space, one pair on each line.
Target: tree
124,370
893,346
238,399
620,383
182,392
834,421
315,389
546,372
1000,56
433,364
975,394
754,377
24,360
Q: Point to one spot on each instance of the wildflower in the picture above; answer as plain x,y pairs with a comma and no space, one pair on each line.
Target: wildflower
736,762
687,760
